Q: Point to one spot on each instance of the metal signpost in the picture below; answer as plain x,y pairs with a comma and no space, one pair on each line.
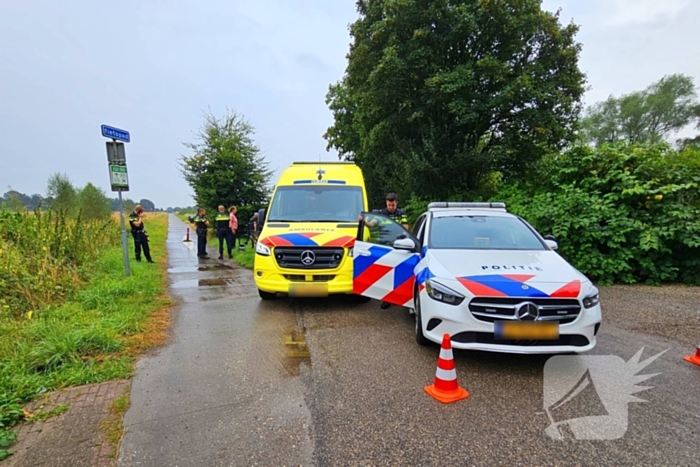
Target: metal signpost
119,179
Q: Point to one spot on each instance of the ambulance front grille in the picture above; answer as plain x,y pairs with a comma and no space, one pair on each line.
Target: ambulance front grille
300,257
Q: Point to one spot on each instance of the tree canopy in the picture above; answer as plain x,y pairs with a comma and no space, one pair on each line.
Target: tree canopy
648,116
227,166
93,203
438,94
62,191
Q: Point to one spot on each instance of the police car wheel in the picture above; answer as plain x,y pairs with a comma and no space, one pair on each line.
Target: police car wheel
267,295
420,338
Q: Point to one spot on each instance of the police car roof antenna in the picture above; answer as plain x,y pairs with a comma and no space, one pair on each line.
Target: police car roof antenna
320,171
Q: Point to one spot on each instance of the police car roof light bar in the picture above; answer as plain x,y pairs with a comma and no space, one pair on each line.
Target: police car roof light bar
454,204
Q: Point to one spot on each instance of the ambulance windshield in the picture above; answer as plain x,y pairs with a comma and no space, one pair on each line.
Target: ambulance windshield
316,203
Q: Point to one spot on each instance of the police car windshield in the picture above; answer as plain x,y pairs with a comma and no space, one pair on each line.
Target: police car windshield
316,203
482,233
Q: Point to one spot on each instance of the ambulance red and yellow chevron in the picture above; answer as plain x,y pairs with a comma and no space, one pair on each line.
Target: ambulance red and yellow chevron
309,239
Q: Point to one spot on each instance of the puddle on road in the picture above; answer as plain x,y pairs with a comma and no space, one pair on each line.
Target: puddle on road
295,352
213,267
185,284
183,269
215,282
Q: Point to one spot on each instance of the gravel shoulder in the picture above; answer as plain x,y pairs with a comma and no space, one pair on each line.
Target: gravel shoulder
669,311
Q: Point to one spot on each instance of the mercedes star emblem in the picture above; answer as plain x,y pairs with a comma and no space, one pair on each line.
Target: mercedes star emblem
308,257
527,311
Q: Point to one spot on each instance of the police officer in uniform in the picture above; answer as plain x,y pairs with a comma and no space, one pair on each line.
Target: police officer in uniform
393,212
202,224
224,232
139,233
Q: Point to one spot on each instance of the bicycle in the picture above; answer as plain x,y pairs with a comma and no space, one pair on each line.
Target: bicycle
245,238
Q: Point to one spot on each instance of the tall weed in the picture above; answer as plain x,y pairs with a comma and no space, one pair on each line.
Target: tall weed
44,256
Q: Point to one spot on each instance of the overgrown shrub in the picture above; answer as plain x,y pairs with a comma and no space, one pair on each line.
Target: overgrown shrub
621,213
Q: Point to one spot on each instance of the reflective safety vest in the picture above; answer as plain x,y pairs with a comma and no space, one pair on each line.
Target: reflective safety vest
133,217
222,221
398,216
200,222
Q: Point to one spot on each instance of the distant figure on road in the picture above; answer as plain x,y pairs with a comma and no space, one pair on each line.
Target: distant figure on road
202,224
139,233
233,223
224,232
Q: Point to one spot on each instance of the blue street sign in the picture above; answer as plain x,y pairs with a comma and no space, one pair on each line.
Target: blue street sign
115,133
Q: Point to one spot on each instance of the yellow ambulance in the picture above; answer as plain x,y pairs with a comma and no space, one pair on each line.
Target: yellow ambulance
309,229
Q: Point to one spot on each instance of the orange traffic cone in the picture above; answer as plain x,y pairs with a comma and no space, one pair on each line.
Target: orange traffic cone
445,388
694,358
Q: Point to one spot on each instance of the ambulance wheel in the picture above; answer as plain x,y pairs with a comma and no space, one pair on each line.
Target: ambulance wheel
267,295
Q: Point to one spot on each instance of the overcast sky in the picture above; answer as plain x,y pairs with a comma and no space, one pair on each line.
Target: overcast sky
152,67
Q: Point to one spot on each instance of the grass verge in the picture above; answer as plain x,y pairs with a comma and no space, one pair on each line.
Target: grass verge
245,258
113,426
92,337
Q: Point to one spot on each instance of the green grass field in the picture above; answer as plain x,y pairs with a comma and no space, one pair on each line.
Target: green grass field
92,336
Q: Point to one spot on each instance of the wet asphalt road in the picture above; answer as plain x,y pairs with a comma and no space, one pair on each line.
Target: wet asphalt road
338,382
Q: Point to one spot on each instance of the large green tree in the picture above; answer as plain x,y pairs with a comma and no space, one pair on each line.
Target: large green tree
227,166
438,94
62,191
93,203
648,116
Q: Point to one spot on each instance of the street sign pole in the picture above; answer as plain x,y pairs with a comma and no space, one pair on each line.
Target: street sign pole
116,158
125,245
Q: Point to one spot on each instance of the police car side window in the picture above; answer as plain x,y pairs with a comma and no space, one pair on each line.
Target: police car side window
418,228
385,232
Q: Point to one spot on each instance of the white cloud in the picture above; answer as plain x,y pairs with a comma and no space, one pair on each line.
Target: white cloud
638,12
152,67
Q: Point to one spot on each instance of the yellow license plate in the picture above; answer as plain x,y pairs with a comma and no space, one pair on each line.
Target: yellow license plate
308,290
519,330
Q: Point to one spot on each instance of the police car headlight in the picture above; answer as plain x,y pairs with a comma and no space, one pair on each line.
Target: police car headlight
443,294
262,249
592,299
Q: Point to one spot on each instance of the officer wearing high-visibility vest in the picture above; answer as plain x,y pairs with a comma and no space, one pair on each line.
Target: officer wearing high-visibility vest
224,232
202,224
393,212
138,231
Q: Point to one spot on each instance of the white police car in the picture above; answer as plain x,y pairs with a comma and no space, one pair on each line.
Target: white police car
480,274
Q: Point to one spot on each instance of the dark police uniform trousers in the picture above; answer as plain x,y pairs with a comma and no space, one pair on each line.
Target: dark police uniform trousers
201,230
224,233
